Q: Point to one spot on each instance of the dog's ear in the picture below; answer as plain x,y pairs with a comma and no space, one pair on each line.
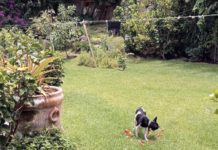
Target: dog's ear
155,119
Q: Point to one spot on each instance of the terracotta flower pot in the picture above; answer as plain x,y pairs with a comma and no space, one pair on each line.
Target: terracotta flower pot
45,112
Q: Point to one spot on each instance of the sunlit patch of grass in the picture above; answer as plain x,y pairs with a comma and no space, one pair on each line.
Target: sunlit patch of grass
99,104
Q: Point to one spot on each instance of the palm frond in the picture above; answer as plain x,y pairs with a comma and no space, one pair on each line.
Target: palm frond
6,66
38,69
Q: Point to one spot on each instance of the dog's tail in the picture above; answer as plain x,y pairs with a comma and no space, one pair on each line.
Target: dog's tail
140,109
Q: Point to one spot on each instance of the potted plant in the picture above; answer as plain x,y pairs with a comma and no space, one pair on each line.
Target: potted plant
27,103
45,97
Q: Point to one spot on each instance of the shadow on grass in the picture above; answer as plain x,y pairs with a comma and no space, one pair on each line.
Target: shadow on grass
151,137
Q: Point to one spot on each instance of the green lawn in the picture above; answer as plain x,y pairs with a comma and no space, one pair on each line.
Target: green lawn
100,103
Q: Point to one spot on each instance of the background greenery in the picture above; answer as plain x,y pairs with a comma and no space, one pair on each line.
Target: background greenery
192,38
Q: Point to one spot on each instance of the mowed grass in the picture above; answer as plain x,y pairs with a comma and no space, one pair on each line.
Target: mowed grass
100,103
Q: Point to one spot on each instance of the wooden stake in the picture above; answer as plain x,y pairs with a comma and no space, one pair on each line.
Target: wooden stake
90,45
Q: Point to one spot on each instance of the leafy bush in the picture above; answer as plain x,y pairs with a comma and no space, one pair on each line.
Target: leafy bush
207,35
194,38
16,12
64,35
15,91
197,54
60,31
15,44
42,26
85,59
10,14
47,140
122,63
126,10
106,59
102,59
81,46
106,55
141,34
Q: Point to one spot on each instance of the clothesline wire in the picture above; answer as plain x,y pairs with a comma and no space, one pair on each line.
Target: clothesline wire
155,19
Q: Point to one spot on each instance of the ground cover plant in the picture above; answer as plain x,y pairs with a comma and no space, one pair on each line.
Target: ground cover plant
100,104
46,140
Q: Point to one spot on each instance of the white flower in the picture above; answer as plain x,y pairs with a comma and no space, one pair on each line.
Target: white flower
6,123
212,95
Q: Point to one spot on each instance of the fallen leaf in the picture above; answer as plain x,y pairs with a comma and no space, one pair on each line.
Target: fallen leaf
128,133
160,133
142,143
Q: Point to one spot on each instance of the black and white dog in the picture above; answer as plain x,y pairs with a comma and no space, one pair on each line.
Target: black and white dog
142,121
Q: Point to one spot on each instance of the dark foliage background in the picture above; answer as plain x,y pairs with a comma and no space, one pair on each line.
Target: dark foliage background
192,38
18,12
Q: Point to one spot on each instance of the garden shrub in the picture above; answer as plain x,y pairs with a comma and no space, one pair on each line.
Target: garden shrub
140,33
207,33
42,26
51,139
102,59
81,46
197,54
15,42
11,14
60,31
19,12
193,38
106,59
85,59
114,44
122,62
109,54
15,91
107,62
6,110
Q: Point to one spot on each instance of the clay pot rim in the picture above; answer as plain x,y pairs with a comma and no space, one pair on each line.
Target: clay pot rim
56,91
54,97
